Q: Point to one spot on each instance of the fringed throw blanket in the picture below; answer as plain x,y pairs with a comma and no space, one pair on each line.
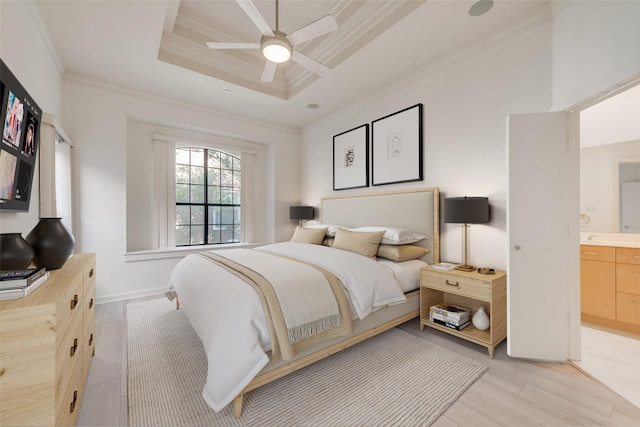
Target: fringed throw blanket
303,303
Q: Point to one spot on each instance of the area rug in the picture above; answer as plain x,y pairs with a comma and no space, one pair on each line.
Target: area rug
392,379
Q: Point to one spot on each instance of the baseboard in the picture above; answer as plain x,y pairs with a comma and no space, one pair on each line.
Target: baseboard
130,295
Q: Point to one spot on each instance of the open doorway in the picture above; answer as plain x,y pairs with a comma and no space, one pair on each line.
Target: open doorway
609,170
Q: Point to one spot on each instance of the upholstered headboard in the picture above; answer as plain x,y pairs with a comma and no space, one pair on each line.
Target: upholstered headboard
416,210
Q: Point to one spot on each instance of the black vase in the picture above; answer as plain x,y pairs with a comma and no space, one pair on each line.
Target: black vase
52,242
15,252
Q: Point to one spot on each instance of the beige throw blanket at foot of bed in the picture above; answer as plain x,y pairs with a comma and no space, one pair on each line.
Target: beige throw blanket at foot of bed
303,303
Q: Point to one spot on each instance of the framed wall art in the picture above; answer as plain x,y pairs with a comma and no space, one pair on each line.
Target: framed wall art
351,158
396,154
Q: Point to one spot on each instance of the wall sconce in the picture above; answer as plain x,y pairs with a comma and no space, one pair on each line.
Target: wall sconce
466,210
300,213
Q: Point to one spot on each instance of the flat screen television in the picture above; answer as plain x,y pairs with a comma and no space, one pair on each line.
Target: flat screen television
20,119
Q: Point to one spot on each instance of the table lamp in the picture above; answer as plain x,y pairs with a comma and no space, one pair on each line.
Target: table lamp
466,210
300,213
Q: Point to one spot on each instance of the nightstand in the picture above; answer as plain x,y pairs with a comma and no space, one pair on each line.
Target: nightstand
470,290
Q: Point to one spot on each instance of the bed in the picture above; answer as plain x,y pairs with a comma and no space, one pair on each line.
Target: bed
239,351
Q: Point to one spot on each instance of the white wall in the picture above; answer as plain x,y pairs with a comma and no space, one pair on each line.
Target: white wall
595,47
100,133
24,49
466,102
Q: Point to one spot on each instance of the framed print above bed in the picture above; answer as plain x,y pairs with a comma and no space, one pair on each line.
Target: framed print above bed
351,158
396,154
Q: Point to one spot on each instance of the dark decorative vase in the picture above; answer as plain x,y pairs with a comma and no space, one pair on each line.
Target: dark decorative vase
52,242
15,252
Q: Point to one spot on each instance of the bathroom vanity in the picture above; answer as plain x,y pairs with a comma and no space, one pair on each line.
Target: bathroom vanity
610,282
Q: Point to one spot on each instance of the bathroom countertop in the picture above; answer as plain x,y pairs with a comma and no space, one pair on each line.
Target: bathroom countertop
610,239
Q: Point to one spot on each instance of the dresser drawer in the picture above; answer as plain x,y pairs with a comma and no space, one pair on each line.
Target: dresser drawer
628,308
69,357
598,253
473,288
68,306
628,255
68,406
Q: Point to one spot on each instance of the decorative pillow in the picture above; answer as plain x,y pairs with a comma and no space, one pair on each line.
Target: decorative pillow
360,242
331,229
394,235
309,235
401,252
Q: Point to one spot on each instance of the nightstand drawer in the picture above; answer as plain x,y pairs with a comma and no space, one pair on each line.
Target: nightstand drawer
446,282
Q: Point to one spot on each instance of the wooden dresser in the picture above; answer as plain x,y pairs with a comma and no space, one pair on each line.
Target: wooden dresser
46,345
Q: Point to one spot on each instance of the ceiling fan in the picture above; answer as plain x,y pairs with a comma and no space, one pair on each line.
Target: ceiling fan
278,47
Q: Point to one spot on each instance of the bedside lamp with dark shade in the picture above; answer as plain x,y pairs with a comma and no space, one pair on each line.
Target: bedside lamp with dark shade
300,212
466,210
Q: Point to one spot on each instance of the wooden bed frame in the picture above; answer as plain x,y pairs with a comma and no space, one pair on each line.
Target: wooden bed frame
416,210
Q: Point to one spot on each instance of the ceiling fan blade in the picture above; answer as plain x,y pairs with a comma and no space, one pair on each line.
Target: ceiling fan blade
269,72
254,14
311,64
321,26
218,45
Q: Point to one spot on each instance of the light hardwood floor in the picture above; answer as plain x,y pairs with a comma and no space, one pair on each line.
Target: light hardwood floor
511,393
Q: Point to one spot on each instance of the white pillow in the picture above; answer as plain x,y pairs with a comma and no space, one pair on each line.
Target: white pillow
331,229
394,235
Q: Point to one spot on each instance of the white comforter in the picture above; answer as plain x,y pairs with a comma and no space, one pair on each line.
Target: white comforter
227,315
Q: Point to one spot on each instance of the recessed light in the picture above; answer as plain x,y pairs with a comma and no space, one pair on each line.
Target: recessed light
480,7
313,106
227,91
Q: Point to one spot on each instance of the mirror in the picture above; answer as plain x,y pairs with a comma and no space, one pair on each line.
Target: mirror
609,187
610,165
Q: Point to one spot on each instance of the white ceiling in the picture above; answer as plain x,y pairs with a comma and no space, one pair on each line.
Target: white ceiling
378,43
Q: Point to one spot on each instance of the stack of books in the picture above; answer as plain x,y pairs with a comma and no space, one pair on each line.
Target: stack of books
20,283
451,316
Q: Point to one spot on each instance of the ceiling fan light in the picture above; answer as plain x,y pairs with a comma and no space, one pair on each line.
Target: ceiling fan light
276,49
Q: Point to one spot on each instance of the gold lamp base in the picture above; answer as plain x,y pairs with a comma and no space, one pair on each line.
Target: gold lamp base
465,267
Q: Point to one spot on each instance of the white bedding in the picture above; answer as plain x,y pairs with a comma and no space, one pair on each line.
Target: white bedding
227,315
407,273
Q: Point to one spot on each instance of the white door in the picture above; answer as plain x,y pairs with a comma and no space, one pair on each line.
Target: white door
630,207
543,307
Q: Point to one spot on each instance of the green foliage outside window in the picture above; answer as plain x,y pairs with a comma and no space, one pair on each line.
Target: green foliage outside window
207,197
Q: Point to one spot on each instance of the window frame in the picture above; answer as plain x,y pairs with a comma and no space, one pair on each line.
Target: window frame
206,204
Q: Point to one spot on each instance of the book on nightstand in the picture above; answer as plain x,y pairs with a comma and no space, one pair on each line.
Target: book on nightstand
444,266
451,325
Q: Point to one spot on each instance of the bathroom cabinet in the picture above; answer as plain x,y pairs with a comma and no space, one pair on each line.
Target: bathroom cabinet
610,286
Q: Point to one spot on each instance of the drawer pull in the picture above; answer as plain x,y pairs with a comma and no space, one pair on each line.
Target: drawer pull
90,339
74,301
636,257
74,348
91,273
91,303
452,284
591,253
72,406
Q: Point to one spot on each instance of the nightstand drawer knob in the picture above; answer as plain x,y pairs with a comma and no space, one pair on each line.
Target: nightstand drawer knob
452,284
518,247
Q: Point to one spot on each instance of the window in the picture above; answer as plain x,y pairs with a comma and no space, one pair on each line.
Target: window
208,197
